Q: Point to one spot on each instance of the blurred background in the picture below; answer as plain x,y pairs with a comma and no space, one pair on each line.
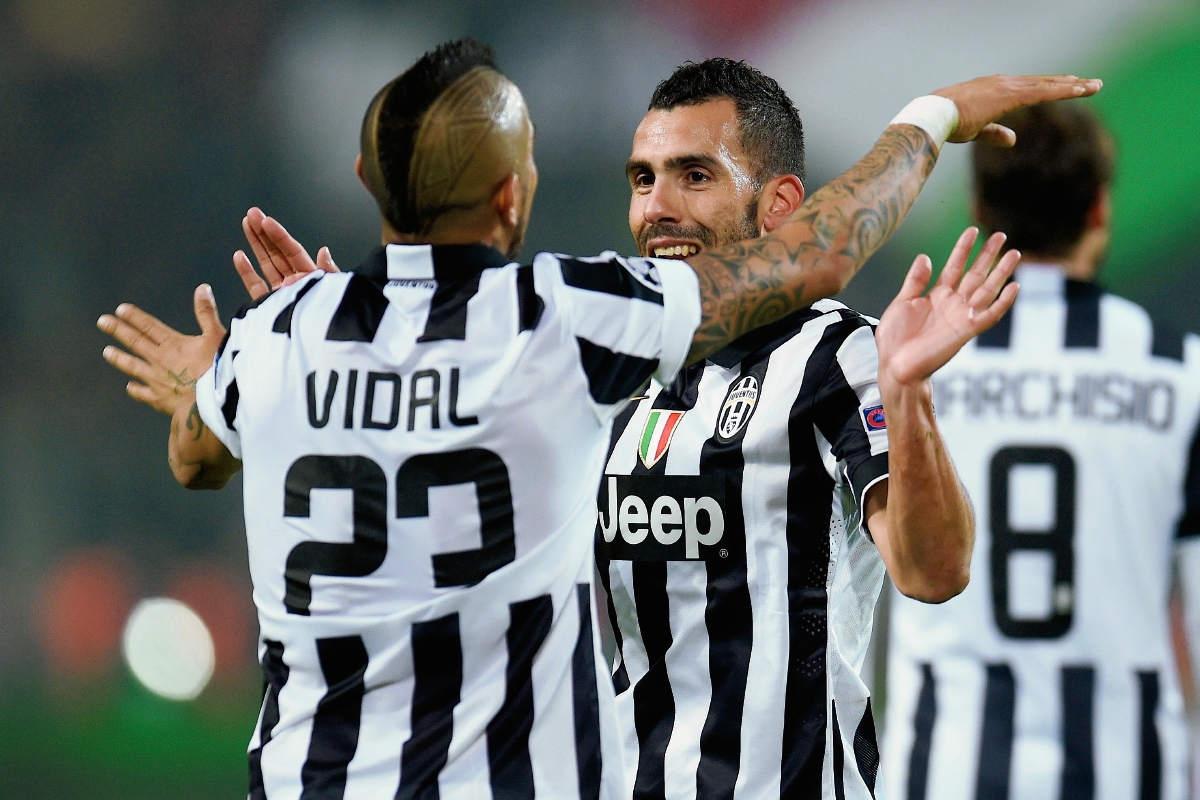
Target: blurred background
135,133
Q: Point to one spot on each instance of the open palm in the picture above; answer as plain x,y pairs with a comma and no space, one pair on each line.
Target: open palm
919,332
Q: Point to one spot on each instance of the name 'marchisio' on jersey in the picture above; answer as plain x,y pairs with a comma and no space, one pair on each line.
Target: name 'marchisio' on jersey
419,534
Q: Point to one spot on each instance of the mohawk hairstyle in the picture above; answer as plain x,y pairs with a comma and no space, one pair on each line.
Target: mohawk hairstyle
772,133
394,116
1040,190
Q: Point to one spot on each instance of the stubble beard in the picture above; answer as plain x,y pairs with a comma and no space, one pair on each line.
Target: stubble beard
738,229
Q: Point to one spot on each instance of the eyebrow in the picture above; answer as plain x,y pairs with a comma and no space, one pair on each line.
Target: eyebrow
675,162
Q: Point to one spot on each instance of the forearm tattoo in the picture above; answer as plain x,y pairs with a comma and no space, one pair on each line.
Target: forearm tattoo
195,423
815,253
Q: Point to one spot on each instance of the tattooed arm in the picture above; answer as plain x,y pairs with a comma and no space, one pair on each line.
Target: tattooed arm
164,365
197,457
816,252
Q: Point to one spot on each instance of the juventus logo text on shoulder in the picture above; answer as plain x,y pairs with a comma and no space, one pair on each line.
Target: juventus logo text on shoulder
656,435
737,408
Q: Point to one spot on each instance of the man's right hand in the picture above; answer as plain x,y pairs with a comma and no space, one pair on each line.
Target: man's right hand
281,258
983,100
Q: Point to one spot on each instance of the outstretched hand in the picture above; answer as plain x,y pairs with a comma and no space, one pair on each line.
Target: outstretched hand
919,333
164,363
984,100
281,258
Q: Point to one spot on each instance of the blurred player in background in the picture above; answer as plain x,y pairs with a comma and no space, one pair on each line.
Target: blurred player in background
393,658
1072,423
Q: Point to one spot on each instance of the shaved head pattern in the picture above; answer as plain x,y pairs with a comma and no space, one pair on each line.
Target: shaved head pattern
473,136
443,136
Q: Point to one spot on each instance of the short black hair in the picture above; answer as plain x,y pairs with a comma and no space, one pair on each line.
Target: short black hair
1039,191
401,105
772,133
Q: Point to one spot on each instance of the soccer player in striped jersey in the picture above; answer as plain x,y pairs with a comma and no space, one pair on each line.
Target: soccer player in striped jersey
747,514
423,438
1073,425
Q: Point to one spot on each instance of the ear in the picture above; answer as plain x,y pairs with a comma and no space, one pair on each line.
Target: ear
505,200
779,199
359,172
1099,215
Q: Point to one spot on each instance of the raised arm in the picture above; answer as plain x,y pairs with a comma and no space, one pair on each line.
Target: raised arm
823,245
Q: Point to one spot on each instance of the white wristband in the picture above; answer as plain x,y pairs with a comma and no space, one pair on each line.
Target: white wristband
934,114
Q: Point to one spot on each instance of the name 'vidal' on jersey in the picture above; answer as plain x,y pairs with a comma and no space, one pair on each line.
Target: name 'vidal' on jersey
422,440
1052,675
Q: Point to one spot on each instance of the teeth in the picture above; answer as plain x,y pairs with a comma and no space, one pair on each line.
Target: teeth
676,251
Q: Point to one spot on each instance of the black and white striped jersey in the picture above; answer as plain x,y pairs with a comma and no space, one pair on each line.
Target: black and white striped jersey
1052,675
422,441
741,582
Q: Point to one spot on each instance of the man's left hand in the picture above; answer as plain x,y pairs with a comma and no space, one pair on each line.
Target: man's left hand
919,333
164,363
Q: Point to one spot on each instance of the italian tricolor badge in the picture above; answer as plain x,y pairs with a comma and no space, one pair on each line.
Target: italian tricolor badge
656,436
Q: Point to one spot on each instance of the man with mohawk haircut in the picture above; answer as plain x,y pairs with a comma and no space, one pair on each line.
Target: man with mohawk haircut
423,438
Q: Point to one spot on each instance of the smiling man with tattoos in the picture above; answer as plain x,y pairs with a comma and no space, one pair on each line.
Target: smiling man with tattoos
470,672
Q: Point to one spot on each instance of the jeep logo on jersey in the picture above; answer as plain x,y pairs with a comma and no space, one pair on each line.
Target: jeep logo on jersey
661,517
737,408
656,436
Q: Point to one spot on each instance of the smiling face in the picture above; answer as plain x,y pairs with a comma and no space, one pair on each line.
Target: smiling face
693,184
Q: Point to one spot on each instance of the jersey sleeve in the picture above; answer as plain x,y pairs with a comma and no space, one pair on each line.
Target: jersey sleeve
849,411
217,390
632,318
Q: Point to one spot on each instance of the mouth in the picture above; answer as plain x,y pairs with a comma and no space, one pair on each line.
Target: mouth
672,249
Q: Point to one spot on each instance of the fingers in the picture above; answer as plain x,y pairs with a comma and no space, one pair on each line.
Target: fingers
958,258
251,226
997,135
131,365
325,261
144,394
254,284
992,314
295,256
982,297
135,329
917,278
206,311
982,266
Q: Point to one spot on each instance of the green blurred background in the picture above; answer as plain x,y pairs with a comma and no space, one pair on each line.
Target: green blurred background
135,133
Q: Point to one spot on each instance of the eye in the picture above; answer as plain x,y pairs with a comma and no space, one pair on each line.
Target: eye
696,176
643,180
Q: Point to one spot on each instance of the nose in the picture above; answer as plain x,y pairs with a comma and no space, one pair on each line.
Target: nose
662,204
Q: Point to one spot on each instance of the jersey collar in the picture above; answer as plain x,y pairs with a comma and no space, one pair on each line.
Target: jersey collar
443,262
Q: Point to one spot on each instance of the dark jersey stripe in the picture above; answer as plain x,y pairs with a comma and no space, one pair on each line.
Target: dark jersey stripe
336,722
229,407
923,719
728,617
620,675
1083,315
508,733
275,675
1166,341
1189,522
866,748
359,313
996,738
809,490
448,308
586,699
529,304
1078,769
609,277
999,336
1151,751
613,377
437,685
283,322
653,700
839,757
